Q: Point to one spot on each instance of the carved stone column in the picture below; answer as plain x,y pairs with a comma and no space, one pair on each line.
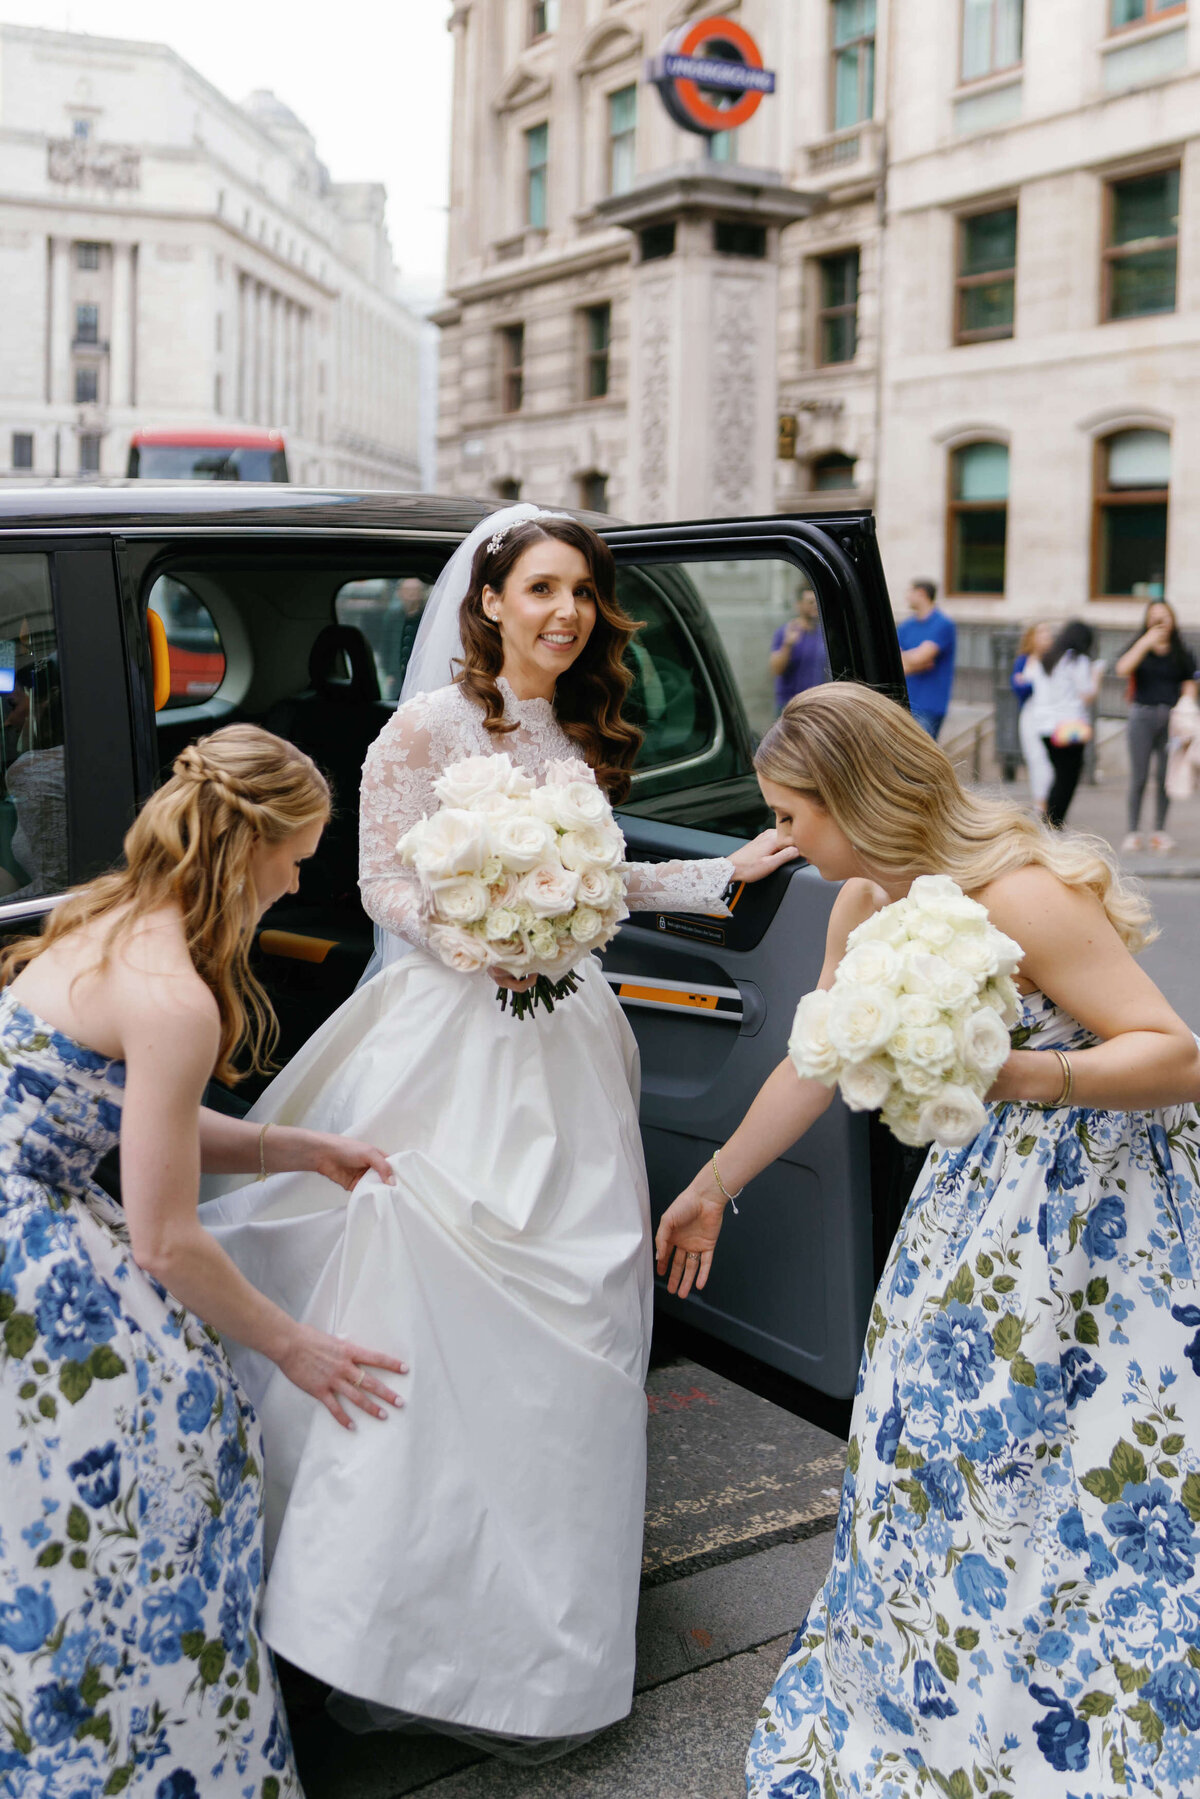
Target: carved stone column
702,374
62,325
121,336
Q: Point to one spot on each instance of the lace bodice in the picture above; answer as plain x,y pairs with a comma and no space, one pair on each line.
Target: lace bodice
438,728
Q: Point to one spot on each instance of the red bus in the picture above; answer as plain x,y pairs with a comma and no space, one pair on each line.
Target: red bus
208,456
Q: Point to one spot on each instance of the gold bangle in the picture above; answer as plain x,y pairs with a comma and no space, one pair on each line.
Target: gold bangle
262,1151
1064,1095
724,1190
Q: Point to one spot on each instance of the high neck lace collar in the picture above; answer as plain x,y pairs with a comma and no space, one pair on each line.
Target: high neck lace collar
523,708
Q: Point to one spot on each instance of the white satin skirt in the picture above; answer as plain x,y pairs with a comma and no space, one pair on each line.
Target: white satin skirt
475,1558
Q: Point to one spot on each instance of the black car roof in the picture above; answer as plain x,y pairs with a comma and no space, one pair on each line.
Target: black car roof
123,505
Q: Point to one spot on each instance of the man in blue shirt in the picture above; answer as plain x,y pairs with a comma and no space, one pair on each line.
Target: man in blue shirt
927,642
798,657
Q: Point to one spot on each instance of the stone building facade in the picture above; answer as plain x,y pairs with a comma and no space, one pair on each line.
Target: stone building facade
985,313
171,260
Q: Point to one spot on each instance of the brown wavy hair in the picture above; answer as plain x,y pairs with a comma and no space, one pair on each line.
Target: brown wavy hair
898,800
590,695
190,846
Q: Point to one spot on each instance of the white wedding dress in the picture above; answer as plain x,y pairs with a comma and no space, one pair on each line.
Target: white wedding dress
474,1560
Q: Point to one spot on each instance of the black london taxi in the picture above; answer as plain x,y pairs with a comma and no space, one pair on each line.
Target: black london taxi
134,618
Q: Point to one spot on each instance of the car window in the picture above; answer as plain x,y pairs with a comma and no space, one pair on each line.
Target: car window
387,610
671,700
761,609
197,658
33,779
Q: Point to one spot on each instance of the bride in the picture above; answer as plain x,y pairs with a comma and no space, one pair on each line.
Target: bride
474,1565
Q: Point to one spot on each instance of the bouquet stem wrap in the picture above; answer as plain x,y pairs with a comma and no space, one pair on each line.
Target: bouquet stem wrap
521,877
916,1024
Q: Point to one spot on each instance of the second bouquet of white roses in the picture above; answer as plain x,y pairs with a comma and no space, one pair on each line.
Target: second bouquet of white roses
916,1024
525,877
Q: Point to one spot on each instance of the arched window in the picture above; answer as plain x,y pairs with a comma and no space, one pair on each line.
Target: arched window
832,472
1129,536
977,519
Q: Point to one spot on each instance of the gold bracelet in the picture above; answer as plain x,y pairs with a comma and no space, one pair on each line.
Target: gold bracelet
262,1151
1064,1095
724,1190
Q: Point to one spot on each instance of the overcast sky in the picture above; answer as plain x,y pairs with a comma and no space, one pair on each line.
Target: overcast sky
370,79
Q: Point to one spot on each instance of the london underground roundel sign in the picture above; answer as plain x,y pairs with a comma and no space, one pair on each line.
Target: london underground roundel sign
712,54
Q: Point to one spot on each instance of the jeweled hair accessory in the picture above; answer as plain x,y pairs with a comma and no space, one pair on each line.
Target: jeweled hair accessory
495,542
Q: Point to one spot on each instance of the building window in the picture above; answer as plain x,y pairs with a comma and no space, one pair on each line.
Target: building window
537,155
597,321
833,473
737,237
622,140
1142,245
218,394
1141,12
87,256
853,62
512,367
508,490
543,17
987,275
87,324
1133,477
220,331
593,491
87,386
22,449
837,318
991,38
977,518
89,453
81,130
657,241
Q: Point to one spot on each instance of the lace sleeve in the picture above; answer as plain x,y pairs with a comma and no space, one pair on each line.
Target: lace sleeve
680,886
397,790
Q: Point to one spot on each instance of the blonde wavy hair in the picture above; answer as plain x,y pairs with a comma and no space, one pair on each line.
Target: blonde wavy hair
895,795
191,846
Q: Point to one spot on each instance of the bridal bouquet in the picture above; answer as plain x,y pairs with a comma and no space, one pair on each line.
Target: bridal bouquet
526,878
916,1024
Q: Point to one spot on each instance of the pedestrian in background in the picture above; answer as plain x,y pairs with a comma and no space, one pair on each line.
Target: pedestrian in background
399,631
798,658
1035,643
1159,669
928,640
1065,683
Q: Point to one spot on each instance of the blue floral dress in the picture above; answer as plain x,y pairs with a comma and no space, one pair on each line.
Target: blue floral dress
130,1482
1014,1603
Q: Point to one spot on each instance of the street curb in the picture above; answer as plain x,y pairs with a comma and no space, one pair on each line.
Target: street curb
1143,869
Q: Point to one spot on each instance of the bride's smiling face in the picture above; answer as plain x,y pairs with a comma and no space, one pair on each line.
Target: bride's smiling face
546,611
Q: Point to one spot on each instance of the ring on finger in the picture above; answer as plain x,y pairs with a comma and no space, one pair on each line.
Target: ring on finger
362,1375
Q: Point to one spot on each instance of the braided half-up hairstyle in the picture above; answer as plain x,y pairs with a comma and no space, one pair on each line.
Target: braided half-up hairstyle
898,800
191,846
590,695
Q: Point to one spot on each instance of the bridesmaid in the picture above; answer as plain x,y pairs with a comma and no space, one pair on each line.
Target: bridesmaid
130,1516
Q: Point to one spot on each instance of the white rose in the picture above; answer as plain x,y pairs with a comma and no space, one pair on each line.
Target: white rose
586,924
581,804
984,1043
809,1047
932,932
459,949
861,1019
566,772
595,846
903,1119
600,888
497,805
549,889
954,1117
521,842
920,1083
975,952
886,926
950,987
543,940
1002,994
462,899
866,1085
927,1046
491,870
933,890
452,842
872,963
917,1009
543,802
1009,954
500,924
473,778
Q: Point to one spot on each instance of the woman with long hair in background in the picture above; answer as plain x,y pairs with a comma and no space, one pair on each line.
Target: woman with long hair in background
1014,1593
1160,669
1065,684
130,1513
1036,640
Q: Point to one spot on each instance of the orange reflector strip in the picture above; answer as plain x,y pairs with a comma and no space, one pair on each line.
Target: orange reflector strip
295,947
668,996
160,659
